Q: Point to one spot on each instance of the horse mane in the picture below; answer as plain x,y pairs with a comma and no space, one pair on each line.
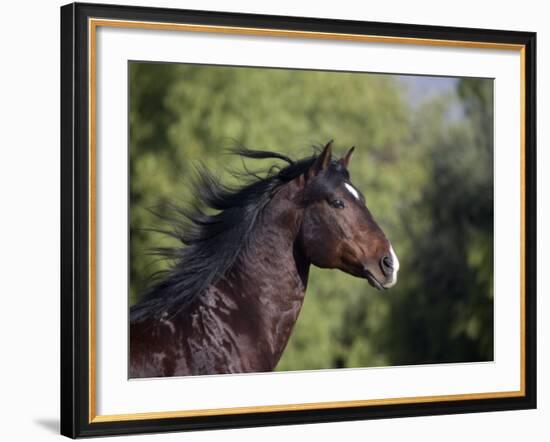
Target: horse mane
211,243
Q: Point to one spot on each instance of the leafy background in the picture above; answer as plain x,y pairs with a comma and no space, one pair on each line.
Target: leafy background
423,160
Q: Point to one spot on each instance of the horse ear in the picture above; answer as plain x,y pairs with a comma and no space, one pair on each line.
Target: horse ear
344,161
322,161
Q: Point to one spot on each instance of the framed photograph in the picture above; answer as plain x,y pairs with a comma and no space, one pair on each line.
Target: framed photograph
274,220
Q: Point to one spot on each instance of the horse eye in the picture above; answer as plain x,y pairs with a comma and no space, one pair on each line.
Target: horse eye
337,204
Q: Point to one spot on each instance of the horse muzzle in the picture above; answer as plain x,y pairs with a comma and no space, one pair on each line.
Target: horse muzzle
384,276
372,280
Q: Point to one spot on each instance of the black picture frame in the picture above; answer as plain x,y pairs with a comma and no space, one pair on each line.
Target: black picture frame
75,219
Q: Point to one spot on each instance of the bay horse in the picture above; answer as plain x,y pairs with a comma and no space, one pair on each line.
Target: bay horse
231,299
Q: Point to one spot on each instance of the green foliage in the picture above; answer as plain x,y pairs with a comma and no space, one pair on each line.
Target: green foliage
427,178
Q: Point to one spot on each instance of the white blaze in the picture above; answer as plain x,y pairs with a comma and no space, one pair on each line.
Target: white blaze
395,260
352,190
395,269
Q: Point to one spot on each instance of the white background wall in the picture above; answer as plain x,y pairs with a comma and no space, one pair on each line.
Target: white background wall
29,220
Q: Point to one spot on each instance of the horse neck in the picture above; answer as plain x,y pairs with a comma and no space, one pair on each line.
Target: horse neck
271,276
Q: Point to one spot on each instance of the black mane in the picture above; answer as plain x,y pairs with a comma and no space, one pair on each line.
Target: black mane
212,243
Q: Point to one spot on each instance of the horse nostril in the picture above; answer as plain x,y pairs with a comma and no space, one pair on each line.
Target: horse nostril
386,264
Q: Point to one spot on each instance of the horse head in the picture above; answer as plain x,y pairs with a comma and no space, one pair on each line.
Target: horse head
337,230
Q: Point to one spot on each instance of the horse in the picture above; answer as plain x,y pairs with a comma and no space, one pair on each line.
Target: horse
229,302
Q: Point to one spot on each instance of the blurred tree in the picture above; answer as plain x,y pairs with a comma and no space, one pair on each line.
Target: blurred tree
444,313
